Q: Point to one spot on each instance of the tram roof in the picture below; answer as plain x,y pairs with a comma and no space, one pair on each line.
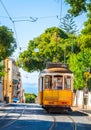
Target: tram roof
56,65
56,70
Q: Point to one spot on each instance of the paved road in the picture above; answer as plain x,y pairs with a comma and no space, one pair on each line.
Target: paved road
33,117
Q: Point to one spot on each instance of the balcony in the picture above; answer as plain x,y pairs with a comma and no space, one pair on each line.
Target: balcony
18,74
15,81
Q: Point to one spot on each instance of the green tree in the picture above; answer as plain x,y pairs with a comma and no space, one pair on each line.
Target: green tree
30,98
51,48
78,6
84,38
78,63
68,24
87,24
7,42
2,73
82,60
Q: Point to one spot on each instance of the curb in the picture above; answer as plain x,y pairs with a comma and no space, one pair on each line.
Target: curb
82,111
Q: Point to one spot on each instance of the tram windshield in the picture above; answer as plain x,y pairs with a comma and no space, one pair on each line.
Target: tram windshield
67,82
48,82
58,82
53,82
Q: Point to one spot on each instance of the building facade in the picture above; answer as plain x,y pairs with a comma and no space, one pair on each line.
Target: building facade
1,83
12,84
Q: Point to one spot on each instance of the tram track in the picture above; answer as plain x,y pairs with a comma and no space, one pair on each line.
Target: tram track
74,123
7,113
27,117
53,124
14,113
52,127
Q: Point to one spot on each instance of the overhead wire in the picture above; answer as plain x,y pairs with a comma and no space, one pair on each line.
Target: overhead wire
60,13
59,17
6,10
11,21
30,19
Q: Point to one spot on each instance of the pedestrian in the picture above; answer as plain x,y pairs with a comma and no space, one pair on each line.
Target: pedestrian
85,90
85,96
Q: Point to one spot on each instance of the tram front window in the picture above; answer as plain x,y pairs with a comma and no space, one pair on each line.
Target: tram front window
48,82
58,82
67,82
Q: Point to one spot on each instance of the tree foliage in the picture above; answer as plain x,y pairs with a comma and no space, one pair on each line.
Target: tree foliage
81,61
78,6
87,24
30,98
68,24
51,45
2,73
7,42
78,63
84,39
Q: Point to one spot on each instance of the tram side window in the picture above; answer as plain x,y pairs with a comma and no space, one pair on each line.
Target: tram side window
48,82
41,84
67,82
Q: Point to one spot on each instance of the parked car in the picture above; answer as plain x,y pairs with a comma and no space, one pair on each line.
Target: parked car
15,100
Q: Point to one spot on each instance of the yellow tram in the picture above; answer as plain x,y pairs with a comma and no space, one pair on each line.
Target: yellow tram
55,86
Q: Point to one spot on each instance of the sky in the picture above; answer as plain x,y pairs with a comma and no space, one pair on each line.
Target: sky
28,19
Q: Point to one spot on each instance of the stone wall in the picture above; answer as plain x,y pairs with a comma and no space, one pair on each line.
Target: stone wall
80,99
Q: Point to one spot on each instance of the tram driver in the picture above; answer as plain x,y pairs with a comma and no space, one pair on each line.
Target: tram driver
59,83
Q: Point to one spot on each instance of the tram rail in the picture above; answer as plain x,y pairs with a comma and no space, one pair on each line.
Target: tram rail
74,123
11,121
7,113
53,125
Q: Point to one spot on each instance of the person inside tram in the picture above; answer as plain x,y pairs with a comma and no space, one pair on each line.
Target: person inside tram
59,83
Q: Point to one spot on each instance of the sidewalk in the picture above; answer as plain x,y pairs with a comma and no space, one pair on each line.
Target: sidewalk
83,110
